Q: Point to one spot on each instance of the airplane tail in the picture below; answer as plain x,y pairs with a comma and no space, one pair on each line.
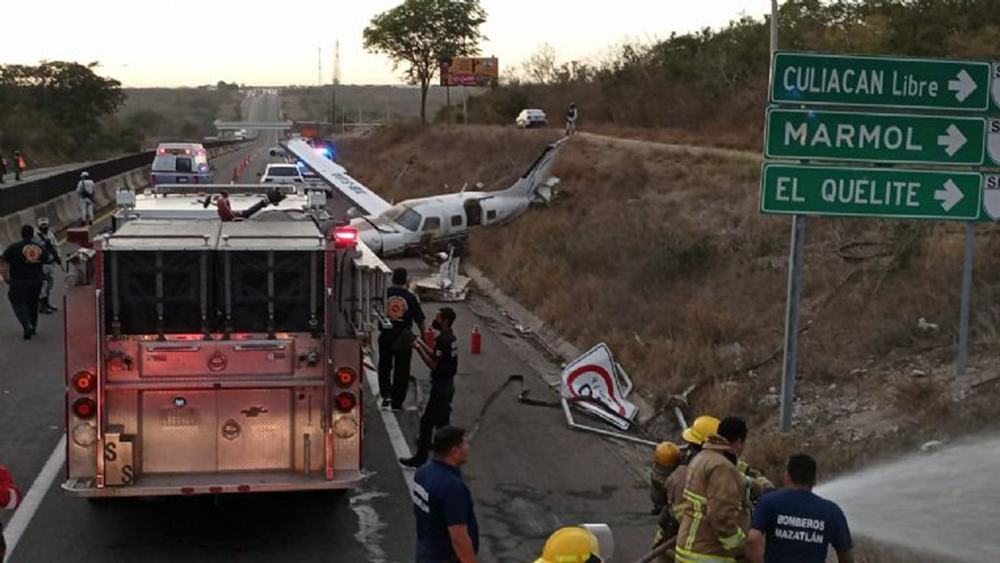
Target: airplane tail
538,173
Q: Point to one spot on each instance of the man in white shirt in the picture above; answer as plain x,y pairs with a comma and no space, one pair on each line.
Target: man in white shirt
85,191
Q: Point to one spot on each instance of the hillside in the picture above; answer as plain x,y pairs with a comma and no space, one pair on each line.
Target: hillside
661,252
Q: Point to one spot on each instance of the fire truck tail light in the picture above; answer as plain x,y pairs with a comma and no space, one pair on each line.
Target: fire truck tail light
84,407
346,401
345,426
346,376
345,237
84,381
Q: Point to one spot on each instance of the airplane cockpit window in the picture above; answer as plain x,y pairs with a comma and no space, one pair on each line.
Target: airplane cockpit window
409,220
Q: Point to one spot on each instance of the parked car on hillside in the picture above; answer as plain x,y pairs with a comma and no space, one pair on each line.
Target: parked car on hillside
531,118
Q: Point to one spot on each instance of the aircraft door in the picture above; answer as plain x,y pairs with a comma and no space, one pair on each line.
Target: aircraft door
430,230
474,213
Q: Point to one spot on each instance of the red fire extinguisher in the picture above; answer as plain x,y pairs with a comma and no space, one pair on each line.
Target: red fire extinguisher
476,342
429,337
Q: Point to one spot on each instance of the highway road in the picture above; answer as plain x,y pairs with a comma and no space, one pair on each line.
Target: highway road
529,474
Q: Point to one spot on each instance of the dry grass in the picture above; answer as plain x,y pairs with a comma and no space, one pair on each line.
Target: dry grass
665,256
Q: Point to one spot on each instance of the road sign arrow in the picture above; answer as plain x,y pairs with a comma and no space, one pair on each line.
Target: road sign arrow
963,86
948,196
952,140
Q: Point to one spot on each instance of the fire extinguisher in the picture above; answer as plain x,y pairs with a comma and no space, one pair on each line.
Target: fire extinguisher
476,342
429,337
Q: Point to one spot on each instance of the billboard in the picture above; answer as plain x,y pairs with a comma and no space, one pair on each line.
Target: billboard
469,71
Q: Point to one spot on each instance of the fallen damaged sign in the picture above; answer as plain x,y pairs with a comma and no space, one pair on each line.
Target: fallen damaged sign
596,384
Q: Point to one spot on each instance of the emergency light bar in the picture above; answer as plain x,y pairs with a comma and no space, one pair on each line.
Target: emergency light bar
344,237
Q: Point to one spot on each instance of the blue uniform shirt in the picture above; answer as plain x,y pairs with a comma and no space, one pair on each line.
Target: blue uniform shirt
402,308
799,525
440,500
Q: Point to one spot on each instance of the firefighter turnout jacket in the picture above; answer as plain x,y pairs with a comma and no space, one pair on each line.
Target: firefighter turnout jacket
710,528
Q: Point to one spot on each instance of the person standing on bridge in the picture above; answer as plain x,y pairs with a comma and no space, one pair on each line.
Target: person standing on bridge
85,192
47,240
394,343
797,526
22,266
442,359
10,497
571,116
447,529
19,165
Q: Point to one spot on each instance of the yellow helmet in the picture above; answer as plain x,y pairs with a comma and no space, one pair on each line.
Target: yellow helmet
572,544
666,456
703,426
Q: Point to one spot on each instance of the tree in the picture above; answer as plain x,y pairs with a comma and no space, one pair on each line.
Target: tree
418,33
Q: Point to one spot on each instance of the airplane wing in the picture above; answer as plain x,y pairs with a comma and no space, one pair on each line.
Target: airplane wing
336,176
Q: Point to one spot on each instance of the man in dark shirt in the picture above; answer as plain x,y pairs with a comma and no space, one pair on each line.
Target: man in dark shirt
447,530
394,344
443,362
22,265
795,525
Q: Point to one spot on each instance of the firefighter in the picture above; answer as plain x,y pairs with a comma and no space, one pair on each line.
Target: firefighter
47,240
710,528
572,544
19,165
673,486
10,497
442,360
395,343
22,266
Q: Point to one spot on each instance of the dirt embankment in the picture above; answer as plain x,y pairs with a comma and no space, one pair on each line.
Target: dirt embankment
662,253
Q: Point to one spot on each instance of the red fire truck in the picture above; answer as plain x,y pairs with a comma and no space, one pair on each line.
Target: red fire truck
207,357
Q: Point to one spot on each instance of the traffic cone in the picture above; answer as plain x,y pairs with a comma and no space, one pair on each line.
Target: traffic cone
429,337
476,342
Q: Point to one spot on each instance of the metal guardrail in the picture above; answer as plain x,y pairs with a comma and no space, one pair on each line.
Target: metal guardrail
30,193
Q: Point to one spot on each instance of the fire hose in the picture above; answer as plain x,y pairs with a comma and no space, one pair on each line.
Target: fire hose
665,548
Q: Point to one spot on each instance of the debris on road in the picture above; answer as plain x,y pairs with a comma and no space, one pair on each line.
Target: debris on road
447,285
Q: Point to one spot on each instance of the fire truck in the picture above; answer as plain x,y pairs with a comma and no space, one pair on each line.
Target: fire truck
209,357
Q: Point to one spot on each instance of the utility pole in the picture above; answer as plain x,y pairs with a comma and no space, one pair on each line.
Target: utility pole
335,82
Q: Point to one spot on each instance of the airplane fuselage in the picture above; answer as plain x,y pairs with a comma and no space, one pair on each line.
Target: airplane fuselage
435,221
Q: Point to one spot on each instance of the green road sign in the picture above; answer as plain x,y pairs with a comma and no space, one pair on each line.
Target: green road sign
874,137
817,78
870,192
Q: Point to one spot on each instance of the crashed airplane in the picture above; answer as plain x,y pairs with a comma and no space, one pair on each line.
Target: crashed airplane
430,221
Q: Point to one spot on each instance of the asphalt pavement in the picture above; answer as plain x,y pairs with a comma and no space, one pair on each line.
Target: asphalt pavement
529,474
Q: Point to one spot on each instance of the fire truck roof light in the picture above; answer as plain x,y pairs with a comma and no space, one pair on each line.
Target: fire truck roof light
344,237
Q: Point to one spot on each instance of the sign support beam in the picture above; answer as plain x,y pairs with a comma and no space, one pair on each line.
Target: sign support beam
963,322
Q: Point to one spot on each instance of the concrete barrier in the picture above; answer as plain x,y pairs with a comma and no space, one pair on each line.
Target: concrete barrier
64,211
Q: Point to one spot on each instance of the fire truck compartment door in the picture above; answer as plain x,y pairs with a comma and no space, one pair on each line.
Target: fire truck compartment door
255,429
178,431
202,358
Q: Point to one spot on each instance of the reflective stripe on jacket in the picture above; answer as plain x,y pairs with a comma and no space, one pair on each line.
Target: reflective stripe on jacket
711,530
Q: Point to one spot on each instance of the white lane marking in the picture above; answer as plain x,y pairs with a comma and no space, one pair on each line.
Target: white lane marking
32,500
396,438
370,526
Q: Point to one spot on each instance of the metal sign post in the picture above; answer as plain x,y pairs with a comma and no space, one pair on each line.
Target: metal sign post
789,366
963,321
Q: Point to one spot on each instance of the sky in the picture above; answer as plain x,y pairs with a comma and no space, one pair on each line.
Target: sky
143,43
